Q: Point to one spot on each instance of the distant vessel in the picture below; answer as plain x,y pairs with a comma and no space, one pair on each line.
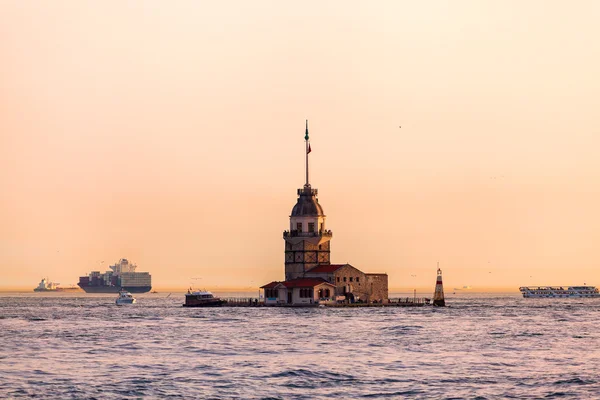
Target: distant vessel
559,291
122,277
464,288
202,298
46,286
125,298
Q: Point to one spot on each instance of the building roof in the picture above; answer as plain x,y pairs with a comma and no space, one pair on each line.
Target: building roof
327,268
270,285
296,283
307,204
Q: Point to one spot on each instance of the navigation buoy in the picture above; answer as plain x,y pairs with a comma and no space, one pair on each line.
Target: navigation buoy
438,296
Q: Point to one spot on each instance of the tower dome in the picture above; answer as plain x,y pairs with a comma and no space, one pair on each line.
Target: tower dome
307,204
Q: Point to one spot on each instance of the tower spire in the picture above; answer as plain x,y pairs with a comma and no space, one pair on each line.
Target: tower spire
307,144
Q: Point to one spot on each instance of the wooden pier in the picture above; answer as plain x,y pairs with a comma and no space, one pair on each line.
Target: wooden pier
394,302
243,302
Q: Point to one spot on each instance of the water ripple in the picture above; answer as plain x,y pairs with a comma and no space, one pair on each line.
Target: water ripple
484,347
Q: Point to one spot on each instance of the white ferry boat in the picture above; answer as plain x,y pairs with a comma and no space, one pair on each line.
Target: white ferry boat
559,291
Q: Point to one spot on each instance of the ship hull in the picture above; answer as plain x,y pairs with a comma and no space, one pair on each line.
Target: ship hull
561,296
205,303
116,289
211,304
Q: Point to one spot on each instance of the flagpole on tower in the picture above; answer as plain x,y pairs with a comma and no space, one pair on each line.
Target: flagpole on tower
307,145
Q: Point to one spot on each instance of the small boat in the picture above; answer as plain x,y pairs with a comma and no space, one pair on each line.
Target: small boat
202,298
125,298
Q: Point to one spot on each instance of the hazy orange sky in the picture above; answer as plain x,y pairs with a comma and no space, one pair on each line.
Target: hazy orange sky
171,133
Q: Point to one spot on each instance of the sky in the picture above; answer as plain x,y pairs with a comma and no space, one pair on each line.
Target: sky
171,134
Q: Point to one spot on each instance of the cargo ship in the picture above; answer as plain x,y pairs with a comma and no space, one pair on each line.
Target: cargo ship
121,277
46,286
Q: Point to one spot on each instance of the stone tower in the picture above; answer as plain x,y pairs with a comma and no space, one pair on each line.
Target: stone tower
307,243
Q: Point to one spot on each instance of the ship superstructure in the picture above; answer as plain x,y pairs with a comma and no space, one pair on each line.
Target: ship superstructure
122,277
46,286
559,291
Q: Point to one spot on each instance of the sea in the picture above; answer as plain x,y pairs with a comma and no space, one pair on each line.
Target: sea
481,346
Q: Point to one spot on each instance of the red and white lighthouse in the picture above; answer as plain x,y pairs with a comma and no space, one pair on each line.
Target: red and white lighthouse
438,296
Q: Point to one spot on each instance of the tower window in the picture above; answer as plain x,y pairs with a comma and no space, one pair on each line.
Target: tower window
338,279
311,227
299,227
351,279
345,279
357,279
321,227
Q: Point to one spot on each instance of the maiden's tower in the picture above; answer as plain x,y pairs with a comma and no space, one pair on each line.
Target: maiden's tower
309,275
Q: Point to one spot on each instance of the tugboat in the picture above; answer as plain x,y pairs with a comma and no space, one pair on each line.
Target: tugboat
125,298
202,298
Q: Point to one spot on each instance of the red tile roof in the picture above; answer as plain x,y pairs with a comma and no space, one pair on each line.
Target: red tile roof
327,268
270,285
305,282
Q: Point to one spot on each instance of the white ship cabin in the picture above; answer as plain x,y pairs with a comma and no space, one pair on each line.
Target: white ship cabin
299,292
45,284
123,266
200,294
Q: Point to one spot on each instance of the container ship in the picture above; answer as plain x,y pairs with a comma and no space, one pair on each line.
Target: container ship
122,277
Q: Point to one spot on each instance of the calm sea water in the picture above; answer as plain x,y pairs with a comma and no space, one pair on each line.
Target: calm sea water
482,346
